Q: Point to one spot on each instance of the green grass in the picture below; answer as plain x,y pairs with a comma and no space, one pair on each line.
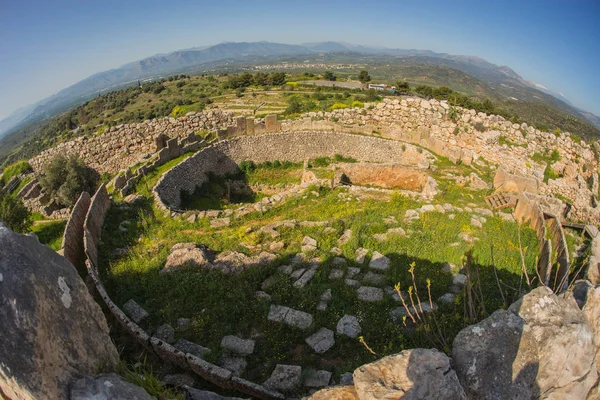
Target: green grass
50,232
220,305
14,169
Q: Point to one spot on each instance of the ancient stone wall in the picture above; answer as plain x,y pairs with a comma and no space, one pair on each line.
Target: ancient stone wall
528,210
223,157
124,145
562,252
72,242
94,219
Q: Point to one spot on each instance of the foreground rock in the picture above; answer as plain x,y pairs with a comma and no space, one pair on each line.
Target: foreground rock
195,394
336,393
411,374
107,387
53,332
540,347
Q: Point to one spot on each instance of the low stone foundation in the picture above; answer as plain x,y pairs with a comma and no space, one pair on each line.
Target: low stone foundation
222,158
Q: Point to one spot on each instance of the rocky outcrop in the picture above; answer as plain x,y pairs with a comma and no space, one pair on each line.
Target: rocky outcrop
410,375
107,387
52,330
540,347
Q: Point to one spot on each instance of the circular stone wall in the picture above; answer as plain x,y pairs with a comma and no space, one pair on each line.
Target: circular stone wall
223,157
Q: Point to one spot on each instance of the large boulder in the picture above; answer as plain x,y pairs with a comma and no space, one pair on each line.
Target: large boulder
411,374
592,314
335,393
107,387
540,347
52,330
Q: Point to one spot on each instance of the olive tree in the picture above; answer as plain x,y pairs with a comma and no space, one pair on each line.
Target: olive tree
14,213
65,177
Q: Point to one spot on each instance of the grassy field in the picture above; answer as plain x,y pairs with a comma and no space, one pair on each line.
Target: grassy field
49,232
221,305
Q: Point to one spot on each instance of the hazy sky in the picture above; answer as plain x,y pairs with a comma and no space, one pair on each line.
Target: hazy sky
48,45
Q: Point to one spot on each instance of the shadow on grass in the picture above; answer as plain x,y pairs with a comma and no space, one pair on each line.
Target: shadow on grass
50,233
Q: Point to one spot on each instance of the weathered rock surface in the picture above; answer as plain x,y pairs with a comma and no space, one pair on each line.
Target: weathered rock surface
336,393
321,341
411,374
52,330
107,387
540,347
238,345
195,394
592,314
285,378
185,255
348,325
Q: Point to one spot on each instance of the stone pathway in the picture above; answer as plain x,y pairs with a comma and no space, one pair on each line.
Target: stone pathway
369,294
237,345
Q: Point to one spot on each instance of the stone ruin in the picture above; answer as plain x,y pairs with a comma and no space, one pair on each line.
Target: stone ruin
544,345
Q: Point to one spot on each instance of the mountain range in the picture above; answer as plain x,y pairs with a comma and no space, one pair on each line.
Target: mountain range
503,81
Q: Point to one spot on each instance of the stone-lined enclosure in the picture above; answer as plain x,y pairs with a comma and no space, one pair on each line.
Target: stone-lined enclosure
462,135
92,230
222,157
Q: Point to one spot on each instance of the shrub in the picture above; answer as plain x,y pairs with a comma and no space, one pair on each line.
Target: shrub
14,169
358,104
65,178
337,106
14,214
479,126
247,166
555,156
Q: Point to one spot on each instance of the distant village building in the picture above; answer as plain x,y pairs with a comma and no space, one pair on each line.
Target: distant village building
381,86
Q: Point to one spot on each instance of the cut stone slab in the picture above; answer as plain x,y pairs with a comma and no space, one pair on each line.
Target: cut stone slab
237,345
321,341
166,333
305,278
375,279
135,311
352,283
297,273
459,280
379,262
236,365
317,379
397,315
348,325
269,283
286,269
336,274
337,261
447,298
345,238
284,378
308,244
352,272
289,316
220,222
347,379
361,255
369,293
336,250
186,347
264,296
298,319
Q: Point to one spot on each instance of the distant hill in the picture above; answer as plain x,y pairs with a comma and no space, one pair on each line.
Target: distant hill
502,81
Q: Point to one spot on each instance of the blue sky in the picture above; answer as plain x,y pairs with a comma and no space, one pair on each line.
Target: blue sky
46,46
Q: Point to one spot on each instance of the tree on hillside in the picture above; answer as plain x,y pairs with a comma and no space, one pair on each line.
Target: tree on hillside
402,87
14,214
64,178
364,76
329,76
